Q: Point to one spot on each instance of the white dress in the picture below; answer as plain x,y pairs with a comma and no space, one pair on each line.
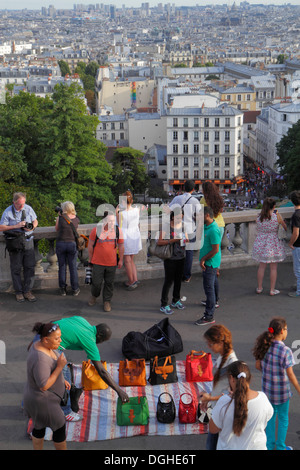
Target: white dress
129,224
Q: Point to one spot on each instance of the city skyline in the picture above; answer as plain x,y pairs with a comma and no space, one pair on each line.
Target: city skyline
68,4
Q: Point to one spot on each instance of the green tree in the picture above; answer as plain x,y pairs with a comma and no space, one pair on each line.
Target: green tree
64,67
129,171
288,151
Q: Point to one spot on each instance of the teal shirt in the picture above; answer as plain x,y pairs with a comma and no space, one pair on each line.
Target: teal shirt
78,334
212,236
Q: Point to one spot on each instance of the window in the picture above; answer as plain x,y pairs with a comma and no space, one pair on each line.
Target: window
185,122
206,174
284,117
217,135
121,125
185,135
217,148
113,136
104,135
185,174
227,135
206,122
217,174
122,135
206,148
217,122
196,122
239,97
104,126
185,148
196,135
196,148
227,122
175,135
227,161
226,174
196,161
206,135
185,161
217,161
196,174
228,97
112,126
175,122
175,174
206,161
175,148
175,161
248,97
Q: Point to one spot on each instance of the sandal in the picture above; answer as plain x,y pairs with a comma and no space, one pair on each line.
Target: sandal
274,292
258,291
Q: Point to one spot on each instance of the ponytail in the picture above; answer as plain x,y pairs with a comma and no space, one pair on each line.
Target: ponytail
265,340
240,371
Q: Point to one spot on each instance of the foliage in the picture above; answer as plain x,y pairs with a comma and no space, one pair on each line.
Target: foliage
64,67
288,151
129,171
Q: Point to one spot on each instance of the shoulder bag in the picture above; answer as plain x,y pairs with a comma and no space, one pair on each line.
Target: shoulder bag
81,240
199,367
132,373
161,251
165,410
134,412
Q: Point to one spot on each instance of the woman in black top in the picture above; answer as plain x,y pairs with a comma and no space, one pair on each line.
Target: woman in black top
66,249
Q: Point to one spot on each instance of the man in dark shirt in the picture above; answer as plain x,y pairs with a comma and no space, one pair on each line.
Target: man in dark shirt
294,243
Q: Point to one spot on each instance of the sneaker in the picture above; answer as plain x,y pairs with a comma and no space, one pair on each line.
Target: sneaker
30,297
72,417
92,301
293,294
178,305
203,302
20,298
204,321
75,292
63,291
274,292
132,286
106,306
187,280
167,310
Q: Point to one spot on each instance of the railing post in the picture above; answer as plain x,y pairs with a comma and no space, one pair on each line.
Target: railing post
51,257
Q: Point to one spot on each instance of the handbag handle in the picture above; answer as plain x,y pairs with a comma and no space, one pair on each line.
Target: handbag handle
155,362
165,393
197,353
191,397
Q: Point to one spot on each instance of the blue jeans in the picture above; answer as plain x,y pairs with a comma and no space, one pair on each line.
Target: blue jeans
296,265
67,256
282,412
187,272
211,289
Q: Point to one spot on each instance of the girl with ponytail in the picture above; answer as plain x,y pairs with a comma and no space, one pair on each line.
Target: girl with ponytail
240,419
275,360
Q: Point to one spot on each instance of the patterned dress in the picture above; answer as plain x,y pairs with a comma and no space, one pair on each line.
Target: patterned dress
267,247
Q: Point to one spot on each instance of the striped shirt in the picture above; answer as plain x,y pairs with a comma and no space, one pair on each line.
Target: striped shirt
275,382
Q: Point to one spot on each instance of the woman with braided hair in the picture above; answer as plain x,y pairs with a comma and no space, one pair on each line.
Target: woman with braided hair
275,360
219,341
240,418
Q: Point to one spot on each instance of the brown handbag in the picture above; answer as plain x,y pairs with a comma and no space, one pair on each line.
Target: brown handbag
132,373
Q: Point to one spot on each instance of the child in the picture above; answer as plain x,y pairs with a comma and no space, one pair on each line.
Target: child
294,243
219,341
275,360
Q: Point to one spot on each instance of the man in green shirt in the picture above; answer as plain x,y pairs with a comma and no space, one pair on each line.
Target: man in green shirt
78,334
210,260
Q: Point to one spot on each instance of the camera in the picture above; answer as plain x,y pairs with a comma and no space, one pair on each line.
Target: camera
28,225
58,209
88,274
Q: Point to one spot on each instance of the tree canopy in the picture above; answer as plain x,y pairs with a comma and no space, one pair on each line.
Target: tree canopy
288,151
129,171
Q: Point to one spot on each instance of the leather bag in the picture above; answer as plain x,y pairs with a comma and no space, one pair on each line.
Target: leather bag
90,379
199,367
163,370
161,340
187,412
15,241
132,373
134,412
161,251
165,410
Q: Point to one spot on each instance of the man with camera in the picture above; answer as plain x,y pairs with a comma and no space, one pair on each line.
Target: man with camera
18,222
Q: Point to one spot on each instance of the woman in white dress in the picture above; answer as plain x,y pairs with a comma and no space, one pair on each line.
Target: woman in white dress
128,220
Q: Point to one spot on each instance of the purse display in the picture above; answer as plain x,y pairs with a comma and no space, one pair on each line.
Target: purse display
90,379
187,412
163,370
134,412
161,340
165,410
199,367
132,373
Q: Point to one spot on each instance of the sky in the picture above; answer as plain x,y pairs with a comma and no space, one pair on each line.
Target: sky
68,4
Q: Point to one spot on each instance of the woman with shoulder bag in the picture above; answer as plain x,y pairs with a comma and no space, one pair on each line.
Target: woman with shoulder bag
66,248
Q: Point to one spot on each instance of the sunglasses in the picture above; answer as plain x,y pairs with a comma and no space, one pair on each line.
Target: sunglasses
53,328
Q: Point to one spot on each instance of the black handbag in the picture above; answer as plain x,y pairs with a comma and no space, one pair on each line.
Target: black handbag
161,251
161,340
163,370
75,392
165,410
15,241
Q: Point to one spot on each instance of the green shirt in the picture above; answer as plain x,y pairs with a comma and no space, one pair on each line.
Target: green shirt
78,335
212,236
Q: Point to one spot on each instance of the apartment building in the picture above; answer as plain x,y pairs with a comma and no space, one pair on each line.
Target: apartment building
204,144
242,97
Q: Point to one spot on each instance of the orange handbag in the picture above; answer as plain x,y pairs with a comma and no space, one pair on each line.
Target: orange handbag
132,373
199,367
90,379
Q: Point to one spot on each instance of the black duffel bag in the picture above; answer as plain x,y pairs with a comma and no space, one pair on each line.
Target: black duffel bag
162,339
15,241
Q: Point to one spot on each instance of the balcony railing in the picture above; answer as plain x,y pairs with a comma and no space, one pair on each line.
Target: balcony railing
237,242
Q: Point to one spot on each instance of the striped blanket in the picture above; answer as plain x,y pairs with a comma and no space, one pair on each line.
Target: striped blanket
98,409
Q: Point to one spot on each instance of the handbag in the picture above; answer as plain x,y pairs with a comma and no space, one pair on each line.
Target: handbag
75,392
199,367
163,370
165,410
90,378
161,251
132,373
161,340
187,412
134,412
15,241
